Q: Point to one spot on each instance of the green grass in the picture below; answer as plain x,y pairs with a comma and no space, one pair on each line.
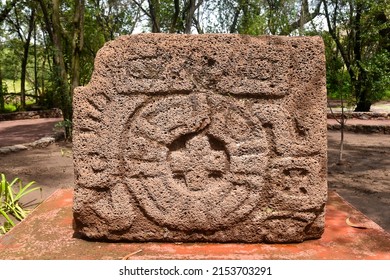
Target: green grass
14,86
387,95
9,108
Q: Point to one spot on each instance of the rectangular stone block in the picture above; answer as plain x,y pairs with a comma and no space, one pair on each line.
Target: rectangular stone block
215,138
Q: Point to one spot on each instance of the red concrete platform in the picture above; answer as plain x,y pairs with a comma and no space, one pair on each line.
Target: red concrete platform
47,234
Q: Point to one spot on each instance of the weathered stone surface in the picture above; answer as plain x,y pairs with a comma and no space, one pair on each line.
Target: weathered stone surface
202,138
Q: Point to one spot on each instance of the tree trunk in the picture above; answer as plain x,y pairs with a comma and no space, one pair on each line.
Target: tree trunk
342,128
190,14
245,20
26,48
175,17
363,104
361,94
1,92
154,10
77,43
59,64
233,26
36,87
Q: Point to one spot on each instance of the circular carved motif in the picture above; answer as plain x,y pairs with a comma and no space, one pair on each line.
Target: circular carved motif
195,162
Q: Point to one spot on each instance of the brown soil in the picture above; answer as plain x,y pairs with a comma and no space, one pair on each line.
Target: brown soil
363,179
50,167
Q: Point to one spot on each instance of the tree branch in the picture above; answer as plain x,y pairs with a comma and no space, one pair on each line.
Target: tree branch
189,16
47,20
233,27
304,18
332,33
197,25
154,9
8,7
175,16
141,8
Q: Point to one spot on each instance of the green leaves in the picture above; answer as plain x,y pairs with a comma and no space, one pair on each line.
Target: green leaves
67,126
10,205
360,34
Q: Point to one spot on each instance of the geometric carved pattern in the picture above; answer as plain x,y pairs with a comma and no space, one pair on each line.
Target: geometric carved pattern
186,157
202,138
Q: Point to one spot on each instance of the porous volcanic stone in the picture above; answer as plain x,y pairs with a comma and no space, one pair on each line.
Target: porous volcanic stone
218,138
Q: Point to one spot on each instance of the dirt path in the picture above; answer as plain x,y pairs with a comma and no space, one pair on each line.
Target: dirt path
50,167
364,179
26,131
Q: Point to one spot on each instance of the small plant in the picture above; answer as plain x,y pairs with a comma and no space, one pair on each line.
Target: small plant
10,206
66,153
66,125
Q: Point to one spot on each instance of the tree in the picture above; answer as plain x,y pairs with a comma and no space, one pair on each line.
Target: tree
259,17
104,20
2,89
51,13
77,43
6,9
171,16
22,21
68,33
66,66
358,36
110,18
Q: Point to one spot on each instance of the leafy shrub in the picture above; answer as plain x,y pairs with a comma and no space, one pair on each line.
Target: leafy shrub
66,125
10,206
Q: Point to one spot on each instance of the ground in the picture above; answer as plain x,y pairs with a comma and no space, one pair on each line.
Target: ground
363,179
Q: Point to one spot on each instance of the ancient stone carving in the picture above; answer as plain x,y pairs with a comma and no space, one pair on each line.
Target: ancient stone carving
202,138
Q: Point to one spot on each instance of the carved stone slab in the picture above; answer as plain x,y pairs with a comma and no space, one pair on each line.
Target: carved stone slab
216,138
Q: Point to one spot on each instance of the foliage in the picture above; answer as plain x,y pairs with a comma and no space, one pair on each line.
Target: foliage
10,205
337,79
3,92
358,51
377,81
66,125
65,36
4,88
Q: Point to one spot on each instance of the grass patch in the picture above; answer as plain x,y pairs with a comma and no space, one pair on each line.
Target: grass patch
9,108
12,101
387,95
14,86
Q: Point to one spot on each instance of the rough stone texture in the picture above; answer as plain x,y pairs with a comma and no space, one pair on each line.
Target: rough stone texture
202,138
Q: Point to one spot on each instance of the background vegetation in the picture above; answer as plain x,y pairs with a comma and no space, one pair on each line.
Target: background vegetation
11,208
47,47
